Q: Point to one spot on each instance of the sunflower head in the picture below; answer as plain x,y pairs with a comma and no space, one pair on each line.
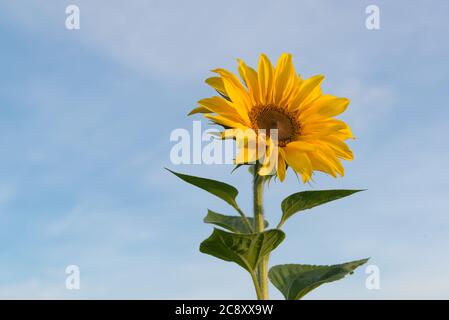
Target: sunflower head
291,119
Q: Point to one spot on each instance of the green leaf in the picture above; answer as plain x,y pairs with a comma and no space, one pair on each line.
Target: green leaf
296,280
308,199
231,223
222,190
246,250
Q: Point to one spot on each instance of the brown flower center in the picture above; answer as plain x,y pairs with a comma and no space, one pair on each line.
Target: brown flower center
274,117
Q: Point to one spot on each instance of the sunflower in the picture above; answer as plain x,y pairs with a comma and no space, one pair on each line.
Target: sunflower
309,138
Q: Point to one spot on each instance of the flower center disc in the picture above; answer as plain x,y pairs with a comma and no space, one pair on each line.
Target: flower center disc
272,117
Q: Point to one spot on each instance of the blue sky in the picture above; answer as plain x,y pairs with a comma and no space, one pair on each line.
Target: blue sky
85,120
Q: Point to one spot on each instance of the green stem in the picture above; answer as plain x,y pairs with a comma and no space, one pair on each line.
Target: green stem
256,285
259,221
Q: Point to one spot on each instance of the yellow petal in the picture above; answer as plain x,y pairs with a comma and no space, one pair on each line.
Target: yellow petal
266,78
249,76
222,107
324,106
302,146
323,128
344,134
199,110
291,91
246,138
217,84
281,167
246,156
269,162
237,93
309,90
283,75
299,161
315,94
339,147
247,133
328,156
228,133
320,163
226,122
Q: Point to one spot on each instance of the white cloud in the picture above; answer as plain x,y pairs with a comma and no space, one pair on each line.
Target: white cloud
185,39
178,43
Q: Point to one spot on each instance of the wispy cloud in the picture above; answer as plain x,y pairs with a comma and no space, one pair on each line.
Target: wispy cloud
84,134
